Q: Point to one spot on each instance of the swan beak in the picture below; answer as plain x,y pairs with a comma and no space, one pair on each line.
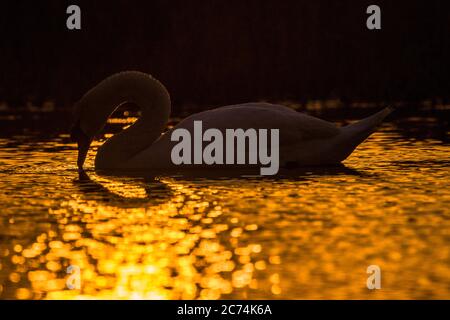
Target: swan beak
83,142
83,148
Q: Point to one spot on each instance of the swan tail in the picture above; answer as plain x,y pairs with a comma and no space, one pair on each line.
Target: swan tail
367,125
354,134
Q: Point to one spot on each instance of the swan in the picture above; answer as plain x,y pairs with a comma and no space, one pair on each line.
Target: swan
303,140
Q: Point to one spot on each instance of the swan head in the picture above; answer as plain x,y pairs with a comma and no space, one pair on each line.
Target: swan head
85,126
90,115
83,142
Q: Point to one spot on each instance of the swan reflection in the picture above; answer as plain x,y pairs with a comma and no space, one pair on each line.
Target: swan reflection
307,233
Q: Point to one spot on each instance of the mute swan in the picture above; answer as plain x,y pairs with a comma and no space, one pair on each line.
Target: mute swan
304,140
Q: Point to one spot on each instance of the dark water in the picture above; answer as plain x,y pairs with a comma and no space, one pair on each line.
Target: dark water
309,235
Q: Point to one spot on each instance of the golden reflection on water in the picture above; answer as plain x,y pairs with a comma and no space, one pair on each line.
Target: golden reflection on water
303,237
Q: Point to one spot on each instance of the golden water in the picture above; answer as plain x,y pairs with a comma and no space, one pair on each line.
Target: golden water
310,235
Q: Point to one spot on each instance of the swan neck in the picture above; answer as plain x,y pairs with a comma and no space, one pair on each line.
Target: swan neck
99,103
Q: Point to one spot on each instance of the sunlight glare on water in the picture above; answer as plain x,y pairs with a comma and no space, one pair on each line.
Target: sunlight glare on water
309,235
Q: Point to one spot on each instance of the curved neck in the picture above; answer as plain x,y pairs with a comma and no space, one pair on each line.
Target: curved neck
136,87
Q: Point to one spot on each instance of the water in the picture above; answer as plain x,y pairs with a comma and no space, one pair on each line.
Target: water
311,234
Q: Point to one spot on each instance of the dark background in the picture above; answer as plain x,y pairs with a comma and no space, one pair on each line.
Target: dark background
219,52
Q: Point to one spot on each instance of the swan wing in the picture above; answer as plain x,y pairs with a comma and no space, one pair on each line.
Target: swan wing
293,126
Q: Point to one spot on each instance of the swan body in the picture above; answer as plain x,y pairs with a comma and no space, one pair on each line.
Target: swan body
303,140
